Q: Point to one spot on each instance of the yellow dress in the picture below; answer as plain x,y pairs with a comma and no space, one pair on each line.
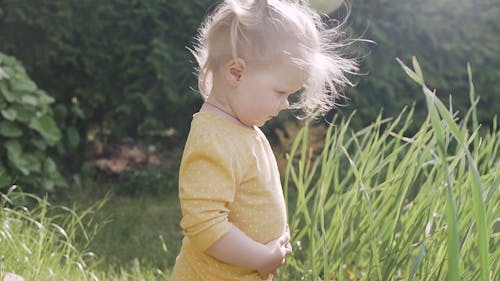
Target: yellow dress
228,175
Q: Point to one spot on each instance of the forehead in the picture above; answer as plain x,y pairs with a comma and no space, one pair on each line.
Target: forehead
288,73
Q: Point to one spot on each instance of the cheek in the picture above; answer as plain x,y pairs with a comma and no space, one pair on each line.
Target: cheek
259,106
268,103
259,100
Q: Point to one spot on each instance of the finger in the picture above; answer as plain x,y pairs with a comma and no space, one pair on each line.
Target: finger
289,249
284,240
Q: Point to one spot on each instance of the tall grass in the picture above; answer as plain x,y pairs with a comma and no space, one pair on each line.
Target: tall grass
378,204
40,241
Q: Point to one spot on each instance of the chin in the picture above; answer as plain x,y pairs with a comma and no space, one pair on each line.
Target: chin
261,123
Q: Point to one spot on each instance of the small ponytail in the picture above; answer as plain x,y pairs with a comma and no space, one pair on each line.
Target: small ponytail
240,7
261,6
247,14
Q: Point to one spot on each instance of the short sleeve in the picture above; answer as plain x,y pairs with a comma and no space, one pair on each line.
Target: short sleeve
206,189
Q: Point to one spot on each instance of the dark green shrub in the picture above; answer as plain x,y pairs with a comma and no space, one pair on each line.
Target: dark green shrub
27,130
445,35
124,61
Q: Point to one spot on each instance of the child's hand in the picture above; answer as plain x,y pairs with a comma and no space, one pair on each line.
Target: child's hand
280,249
287,244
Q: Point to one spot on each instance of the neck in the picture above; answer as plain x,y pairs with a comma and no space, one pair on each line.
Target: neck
227,114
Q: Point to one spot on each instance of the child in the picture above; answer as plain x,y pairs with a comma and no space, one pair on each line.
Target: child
252,56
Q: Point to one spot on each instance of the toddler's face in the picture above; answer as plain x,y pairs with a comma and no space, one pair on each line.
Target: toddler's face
264,92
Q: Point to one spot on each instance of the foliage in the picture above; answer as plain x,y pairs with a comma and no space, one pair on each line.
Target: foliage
379,205
27,130
126,69
325,6
149,180
124,62
445,35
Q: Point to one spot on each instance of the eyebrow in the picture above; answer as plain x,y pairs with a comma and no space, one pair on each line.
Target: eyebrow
286,91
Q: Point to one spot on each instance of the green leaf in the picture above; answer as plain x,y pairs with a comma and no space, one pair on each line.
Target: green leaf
29,100
53,177
9,114
23,84
46,126
60,112
48,184
73,137
416,264
411,73
44,99
14,148
50,166
3,74
31,162
125,109
15,155
418,70
5,179
78,111
10,129
3,103
481,218
57,178
24,113
39,143
7,94
448,119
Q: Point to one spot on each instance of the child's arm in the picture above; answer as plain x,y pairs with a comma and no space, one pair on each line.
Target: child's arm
235,247
207,186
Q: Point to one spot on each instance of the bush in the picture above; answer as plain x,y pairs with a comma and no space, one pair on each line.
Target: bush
27,130
125,62
445,35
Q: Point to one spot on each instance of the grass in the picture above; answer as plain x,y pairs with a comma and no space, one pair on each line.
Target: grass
131,233
374,204
115,239
379,205
142,233
41,246
146,224
141,205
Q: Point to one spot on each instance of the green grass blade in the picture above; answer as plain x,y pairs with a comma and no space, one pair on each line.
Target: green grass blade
480,216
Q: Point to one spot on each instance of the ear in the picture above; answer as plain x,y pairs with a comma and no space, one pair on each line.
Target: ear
234,71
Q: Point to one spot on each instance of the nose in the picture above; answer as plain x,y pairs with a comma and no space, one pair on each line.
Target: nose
284,104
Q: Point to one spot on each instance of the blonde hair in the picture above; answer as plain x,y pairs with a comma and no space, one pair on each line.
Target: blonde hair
251,29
